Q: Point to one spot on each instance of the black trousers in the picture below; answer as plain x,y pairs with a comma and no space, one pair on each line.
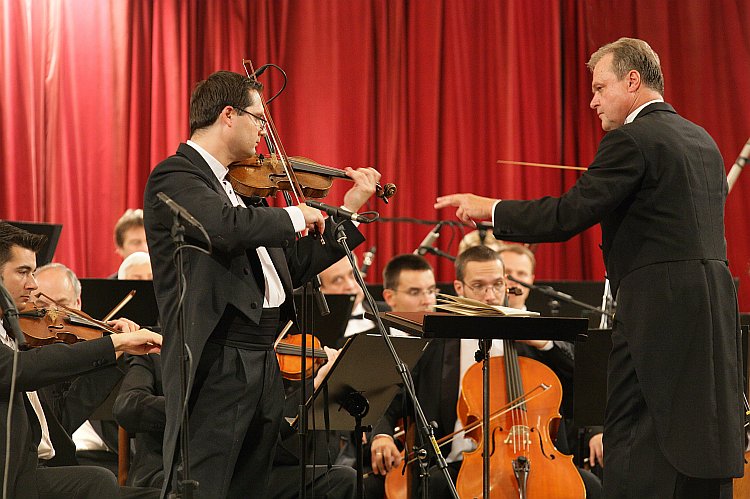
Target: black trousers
235,411
340,482
635,466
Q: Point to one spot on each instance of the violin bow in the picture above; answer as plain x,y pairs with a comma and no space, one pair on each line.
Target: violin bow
512,405
119,306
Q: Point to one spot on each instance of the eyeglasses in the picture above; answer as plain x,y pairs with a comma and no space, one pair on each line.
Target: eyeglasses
497,288
259,121
416,293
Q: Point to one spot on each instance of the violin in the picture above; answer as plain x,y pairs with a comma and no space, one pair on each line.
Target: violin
45,326
265,176
290,357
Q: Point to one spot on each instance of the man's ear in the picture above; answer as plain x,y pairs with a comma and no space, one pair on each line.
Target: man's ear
459,287
388,296
634,80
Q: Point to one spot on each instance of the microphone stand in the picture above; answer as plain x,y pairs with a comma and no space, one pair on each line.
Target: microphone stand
437,252
310,289
552,293
425,428
186,486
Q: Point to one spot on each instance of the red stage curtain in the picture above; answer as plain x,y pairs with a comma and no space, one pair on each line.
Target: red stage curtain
96,92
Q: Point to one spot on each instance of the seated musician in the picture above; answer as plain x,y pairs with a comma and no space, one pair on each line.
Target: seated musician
139,409
130,234
479,275
136,266
338,279
95,442
409,284
31,426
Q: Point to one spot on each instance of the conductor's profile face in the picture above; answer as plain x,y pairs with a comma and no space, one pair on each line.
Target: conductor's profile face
613,98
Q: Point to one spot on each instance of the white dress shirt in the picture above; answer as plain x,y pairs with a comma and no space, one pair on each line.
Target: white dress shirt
274,294
45,449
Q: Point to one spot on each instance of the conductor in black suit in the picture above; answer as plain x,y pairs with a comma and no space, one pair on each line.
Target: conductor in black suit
238,297
657,186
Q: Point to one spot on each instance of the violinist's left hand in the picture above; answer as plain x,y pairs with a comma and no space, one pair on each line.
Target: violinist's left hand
470,207
364,187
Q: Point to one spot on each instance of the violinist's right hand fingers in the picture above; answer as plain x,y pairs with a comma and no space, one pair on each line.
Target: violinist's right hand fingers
384,455
138,342
314,218
124,325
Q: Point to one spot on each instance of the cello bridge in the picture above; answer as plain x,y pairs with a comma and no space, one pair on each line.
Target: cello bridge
518,433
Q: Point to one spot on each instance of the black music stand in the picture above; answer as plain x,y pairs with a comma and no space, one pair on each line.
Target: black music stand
330,328
485,329
346,394
99,296
590,390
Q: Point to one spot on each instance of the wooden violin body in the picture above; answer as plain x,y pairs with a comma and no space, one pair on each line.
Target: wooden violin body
290,360
44,326
519,438
265,176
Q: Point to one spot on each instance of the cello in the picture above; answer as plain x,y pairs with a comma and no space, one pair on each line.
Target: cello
523,460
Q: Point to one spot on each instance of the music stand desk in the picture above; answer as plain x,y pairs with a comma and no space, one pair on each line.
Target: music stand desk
447,325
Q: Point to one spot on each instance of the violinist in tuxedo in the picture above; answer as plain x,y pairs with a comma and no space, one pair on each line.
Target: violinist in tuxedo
35,432
674,419
238,297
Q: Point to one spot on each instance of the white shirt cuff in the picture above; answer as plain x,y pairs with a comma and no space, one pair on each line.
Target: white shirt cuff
297,218
493,211
549,346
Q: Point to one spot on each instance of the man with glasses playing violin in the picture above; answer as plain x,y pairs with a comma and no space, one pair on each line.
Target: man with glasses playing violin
238,297
480,275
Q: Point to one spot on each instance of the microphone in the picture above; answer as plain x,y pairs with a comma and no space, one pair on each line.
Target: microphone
429,241
261,70
736,169
339,212
367,259
10,314
179,210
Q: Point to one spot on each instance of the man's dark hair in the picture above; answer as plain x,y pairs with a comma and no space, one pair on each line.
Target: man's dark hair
475,254
220,89
128,220
10,236
400,263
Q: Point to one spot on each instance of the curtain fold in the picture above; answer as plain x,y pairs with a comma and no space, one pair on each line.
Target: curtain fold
430,93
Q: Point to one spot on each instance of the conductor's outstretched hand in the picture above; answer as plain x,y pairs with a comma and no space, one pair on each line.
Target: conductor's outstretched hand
470,207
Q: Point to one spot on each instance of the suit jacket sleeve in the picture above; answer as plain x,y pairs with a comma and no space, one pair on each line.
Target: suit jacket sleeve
615,174
50,364
140,407
73,403
232,230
